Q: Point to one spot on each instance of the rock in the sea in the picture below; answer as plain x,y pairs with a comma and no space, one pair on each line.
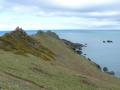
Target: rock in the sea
109,41
104,41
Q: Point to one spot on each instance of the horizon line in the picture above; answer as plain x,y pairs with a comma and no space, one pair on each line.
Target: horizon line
66,30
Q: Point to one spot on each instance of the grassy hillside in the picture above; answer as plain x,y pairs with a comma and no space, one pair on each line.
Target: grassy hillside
66,71
20,43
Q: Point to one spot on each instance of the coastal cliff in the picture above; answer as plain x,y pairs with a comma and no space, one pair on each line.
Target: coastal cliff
45,62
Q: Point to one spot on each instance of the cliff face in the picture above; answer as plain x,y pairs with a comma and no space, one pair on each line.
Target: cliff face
65,70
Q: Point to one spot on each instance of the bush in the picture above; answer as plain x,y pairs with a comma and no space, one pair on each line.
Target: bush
105,69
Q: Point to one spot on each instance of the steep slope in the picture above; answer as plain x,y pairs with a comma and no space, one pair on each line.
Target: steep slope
20,43
77,63
67,71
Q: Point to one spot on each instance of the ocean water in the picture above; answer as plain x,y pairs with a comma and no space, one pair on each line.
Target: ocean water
30,32
104,54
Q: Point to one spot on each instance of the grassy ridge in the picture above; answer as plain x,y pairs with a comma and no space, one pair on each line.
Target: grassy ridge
21,43
68,70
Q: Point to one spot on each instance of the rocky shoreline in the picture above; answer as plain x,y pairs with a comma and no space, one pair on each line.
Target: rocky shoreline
77,47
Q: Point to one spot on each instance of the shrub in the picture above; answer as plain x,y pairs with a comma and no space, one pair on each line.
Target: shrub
105,69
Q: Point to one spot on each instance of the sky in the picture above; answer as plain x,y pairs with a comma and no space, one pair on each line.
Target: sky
60,14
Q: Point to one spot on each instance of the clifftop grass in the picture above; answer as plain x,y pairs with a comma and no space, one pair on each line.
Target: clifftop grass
20,43
69,71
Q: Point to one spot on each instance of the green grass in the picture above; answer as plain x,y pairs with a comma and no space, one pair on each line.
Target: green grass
68,71
20,43
16,72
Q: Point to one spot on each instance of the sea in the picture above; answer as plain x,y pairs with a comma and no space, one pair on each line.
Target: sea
105,54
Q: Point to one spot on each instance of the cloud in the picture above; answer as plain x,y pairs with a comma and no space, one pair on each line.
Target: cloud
68,5
77,8
23,9
89,13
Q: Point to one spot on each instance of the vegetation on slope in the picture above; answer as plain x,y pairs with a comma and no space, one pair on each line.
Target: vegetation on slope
21,43
69,71
81,66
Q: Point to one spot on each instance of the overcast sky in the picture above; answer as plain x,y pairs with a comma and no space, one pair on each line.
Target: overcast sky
60,14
